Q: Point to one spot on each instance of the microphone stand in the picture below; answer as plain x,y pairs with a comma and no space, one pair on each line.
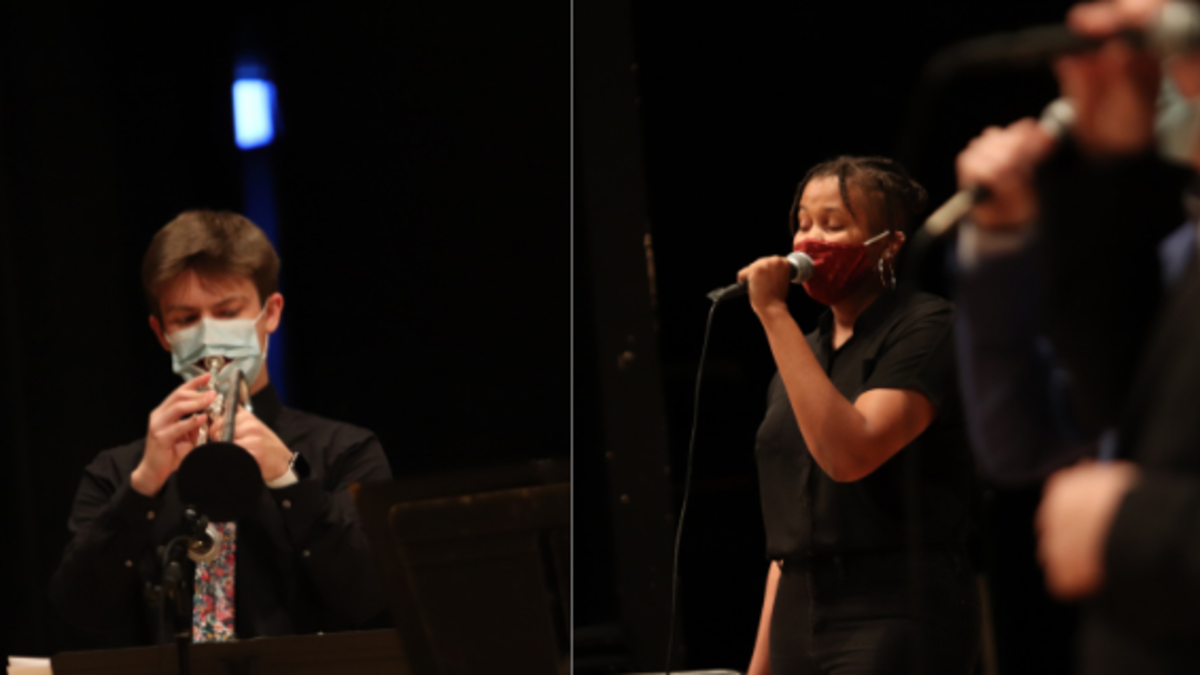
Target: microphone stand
171,586
181,618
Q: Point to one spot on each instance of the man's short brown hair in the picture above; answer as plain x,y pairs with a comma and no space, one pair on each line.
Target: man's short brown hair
212,243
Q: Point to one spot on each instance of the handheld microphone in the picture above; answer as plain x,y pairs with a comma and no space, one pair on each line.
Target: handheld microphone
1174,31
1056,120
802,270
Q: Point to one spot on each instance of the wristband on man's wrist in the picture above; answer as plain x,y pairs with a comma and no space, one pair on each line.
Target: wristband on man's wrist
288,477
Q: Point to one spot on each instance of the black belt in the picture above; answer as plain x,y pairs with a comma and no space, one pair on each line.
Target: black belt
955,554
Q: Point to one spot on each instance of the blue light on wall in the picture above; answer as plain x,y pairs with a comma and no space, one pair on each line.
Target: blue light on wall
255,125
253,112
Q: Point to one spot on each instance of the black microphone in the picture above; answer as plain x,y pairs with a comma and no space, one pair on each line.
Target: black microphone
1175,30
802,270
220,479
205,542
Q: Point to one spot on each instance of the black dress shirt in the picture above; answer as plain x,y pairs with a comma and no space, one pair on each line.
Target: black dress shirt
303,564
901,341
1136,353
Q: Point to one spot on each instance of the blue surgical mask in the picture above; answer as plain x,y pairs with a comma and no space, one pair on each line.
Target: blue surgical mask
1177,124
235,339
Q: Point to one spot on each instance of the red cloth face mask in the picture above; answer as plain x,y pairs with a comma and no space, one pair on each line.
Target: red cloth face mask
839,268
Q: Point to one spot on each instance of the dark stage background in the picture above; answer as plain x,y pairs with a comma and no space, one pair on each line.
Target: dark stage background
735,103
423,186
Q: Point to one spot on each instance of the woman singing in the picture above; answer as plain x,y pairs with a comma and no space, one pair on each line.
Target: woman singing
863,463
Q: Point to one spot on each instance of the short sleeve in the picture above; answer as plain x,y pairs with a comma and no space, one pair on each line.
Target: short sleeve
918,355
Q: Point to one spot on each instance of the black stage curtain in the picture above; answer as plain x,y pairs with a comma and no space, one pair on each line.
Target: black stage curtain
422,181
737,101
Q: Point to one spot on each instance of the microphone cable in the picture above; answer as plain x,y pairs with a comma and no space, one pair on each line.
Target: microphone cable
687,487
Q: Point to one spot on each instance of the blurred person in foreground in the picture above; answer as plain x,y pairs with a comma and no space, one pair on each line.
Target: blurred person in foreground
865,476
1109,275
300,562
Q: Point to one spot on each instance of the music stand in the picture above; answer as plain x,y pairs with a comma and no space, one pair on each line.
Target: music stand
375,652
476,567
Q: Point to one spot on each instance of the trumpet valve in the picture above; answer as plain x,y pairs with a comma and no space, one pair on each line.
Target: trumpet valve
213,364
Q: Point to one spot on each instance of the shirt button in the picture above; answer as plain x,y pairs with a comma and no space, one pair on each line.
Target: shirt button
149,515
129,563
305,553
287,503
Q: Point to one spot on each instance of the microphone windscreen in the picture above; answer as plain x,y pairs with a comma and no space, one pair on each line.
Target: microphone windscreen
221,480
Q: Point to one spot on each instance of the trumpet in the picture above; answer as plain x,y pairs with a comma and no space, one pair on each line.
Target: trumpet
237,393
212,364
204,548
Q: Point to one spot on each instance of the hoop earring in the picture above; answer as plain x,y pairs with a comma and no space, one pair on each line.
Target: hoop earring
888,279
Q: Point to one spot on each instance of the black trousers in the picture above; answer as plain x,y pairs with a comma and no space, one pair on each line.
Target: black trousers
1118,645
866,613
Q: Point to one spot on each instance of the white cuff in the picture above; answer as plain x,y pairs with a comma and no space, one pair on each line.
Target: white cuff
976,243
289,478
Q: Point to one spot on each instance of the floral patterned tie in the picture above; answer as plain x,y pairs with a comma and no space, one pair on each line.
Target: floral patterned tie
213,598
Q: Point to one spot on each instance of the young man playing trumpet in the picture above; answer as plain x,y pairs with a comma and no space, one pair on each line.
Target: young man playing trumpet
297,564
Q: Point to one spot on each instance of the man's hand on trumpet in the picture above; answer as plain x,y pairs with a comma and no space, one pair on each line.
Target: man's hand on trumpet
249,432
172,434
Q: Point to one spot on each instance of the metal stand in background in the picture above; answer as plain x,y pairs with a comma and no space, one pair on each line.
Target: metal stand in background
694,672
173,590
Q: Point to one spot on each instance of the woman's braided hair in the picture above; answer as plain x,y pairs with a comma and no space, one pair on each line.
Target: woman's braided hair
903,198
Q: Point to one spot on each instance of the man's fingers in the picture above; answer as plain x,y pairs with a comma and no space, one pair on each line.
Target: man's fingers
1075,77
217,429
181,403
998,152
1105,19
186,398
177,396
170,434
1095,19
246,426
243,422
182,450
185,406
195,383
189,397
1039,144
1032,141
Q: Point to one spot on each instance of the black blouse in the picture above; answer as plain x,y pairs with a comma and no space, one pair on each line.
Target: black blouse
901,341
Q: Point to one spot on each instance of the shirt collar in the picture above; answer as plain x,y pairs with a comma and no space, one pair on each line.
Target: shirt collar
267,406
870,318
